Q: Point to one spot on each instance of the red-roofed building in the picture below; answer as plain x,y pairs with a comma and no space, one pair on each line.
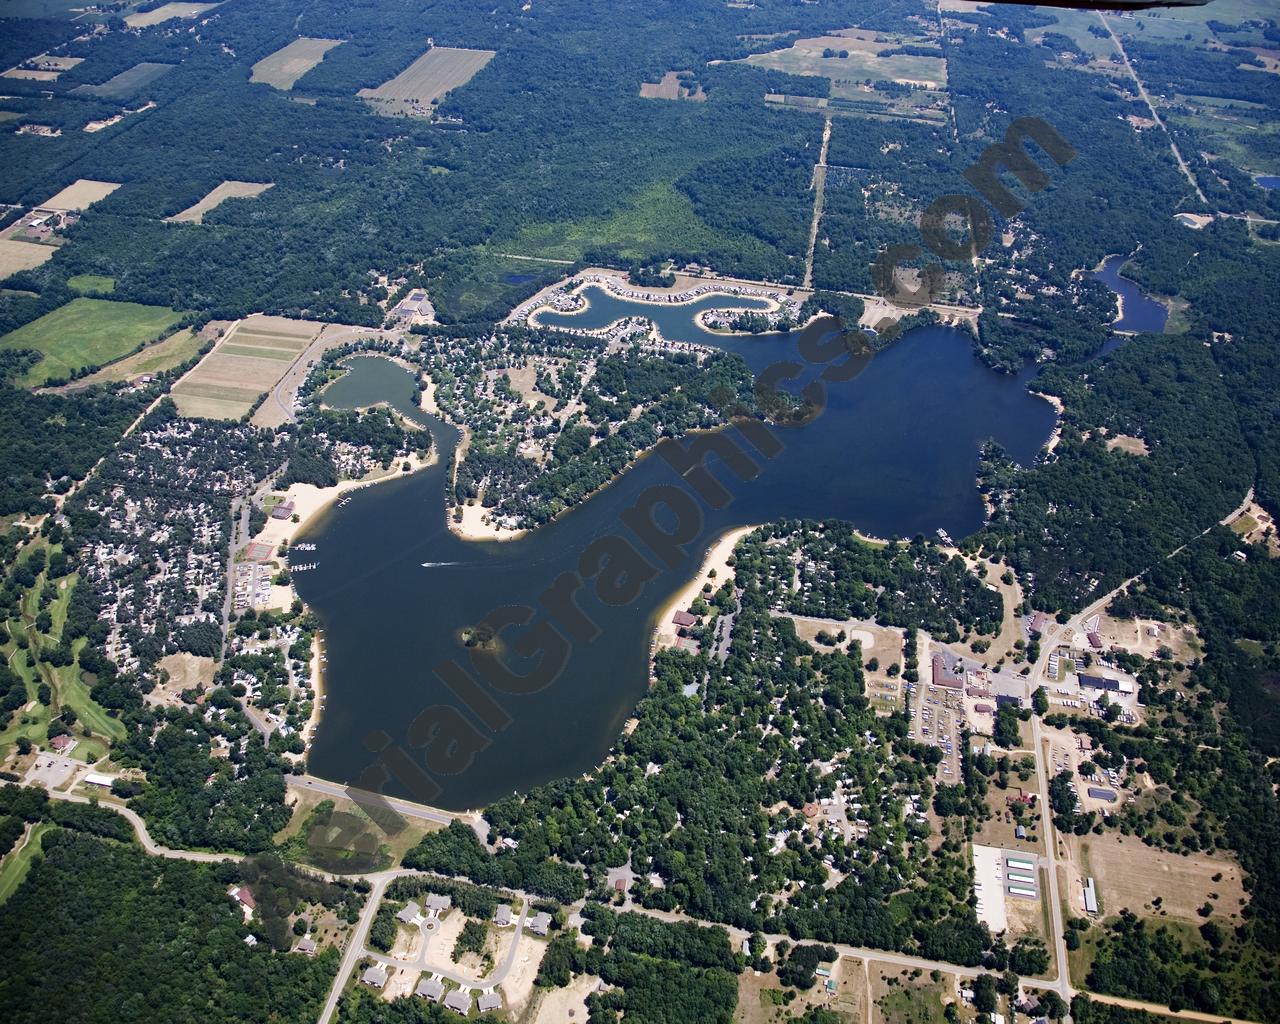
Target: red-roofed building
683,618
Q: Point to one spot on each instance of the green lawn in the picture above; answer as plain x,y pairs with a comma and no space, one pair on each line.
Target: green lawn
19,862
87,332
90,284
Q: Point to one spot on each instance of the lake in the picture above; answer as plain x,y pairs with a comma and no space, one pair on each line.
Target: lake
1142,314
895,453
1268,180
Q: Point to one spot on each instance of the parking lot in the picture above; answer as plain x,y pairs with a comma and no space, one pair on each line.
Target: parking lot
936,715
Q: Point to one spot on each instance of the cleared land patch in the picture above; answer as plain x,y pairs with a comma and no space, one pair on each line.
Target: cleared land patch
675,85
1131,874
87,332
80,195
17,255
850,58
218,195
88,284
164,355
127,83
247,362
166,13
438,71
284,67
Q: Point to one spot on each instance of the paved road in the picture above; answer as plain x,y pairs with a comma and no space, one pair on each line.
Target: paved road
311,784
1155,114
144,837
420,962
380,880
1062,983
355,945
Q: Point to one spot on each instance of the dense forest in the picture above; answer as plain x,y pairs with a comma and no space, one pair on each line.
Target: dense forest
101,932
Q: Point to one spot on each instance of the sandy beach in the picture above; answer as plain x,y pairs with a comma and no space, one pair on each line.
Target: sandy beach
717,559
1056,402
475,525
310,500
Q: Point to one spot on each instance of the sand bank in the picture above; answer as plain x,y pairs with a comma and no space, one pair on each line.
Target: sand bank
310,500
718,559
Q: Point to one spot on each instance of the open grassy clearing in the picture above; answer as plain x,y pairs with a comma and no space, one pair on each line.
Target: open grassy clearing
438,71
126,84
87,332
16,255
164,355
55,9
673,86
91,284
861,60
166,13
217,195
81,193
1128,873
656,219
1076,25
283,68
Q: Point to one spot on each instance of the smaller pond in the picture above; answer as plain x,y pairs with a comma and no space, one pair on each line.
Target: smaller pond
1138,311
1268,180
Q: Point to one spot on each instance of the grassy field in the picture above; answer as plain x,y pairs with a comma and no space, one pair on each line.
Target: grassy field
167,12
283,68
657,219
42,8
178,348
18,863
91,284
218,195
126,84
436,72
862,60
87,332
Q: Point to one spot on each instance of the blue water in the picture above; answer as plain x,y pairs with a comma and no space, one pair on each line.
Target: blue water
895,452
1268,180
1142,314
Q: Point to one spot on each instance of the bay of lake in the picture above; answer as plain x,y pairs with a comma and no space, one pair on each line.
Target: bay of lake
895,453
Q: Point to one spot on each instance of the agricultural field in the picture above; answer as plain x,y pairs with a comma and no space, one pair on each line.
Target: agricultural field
16,255
80,194
218,195
857,57
673,86
284,67
56,9
167,13
126,84
44,68
164,355
901,85
1077,25
86,332
247,362
438,71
